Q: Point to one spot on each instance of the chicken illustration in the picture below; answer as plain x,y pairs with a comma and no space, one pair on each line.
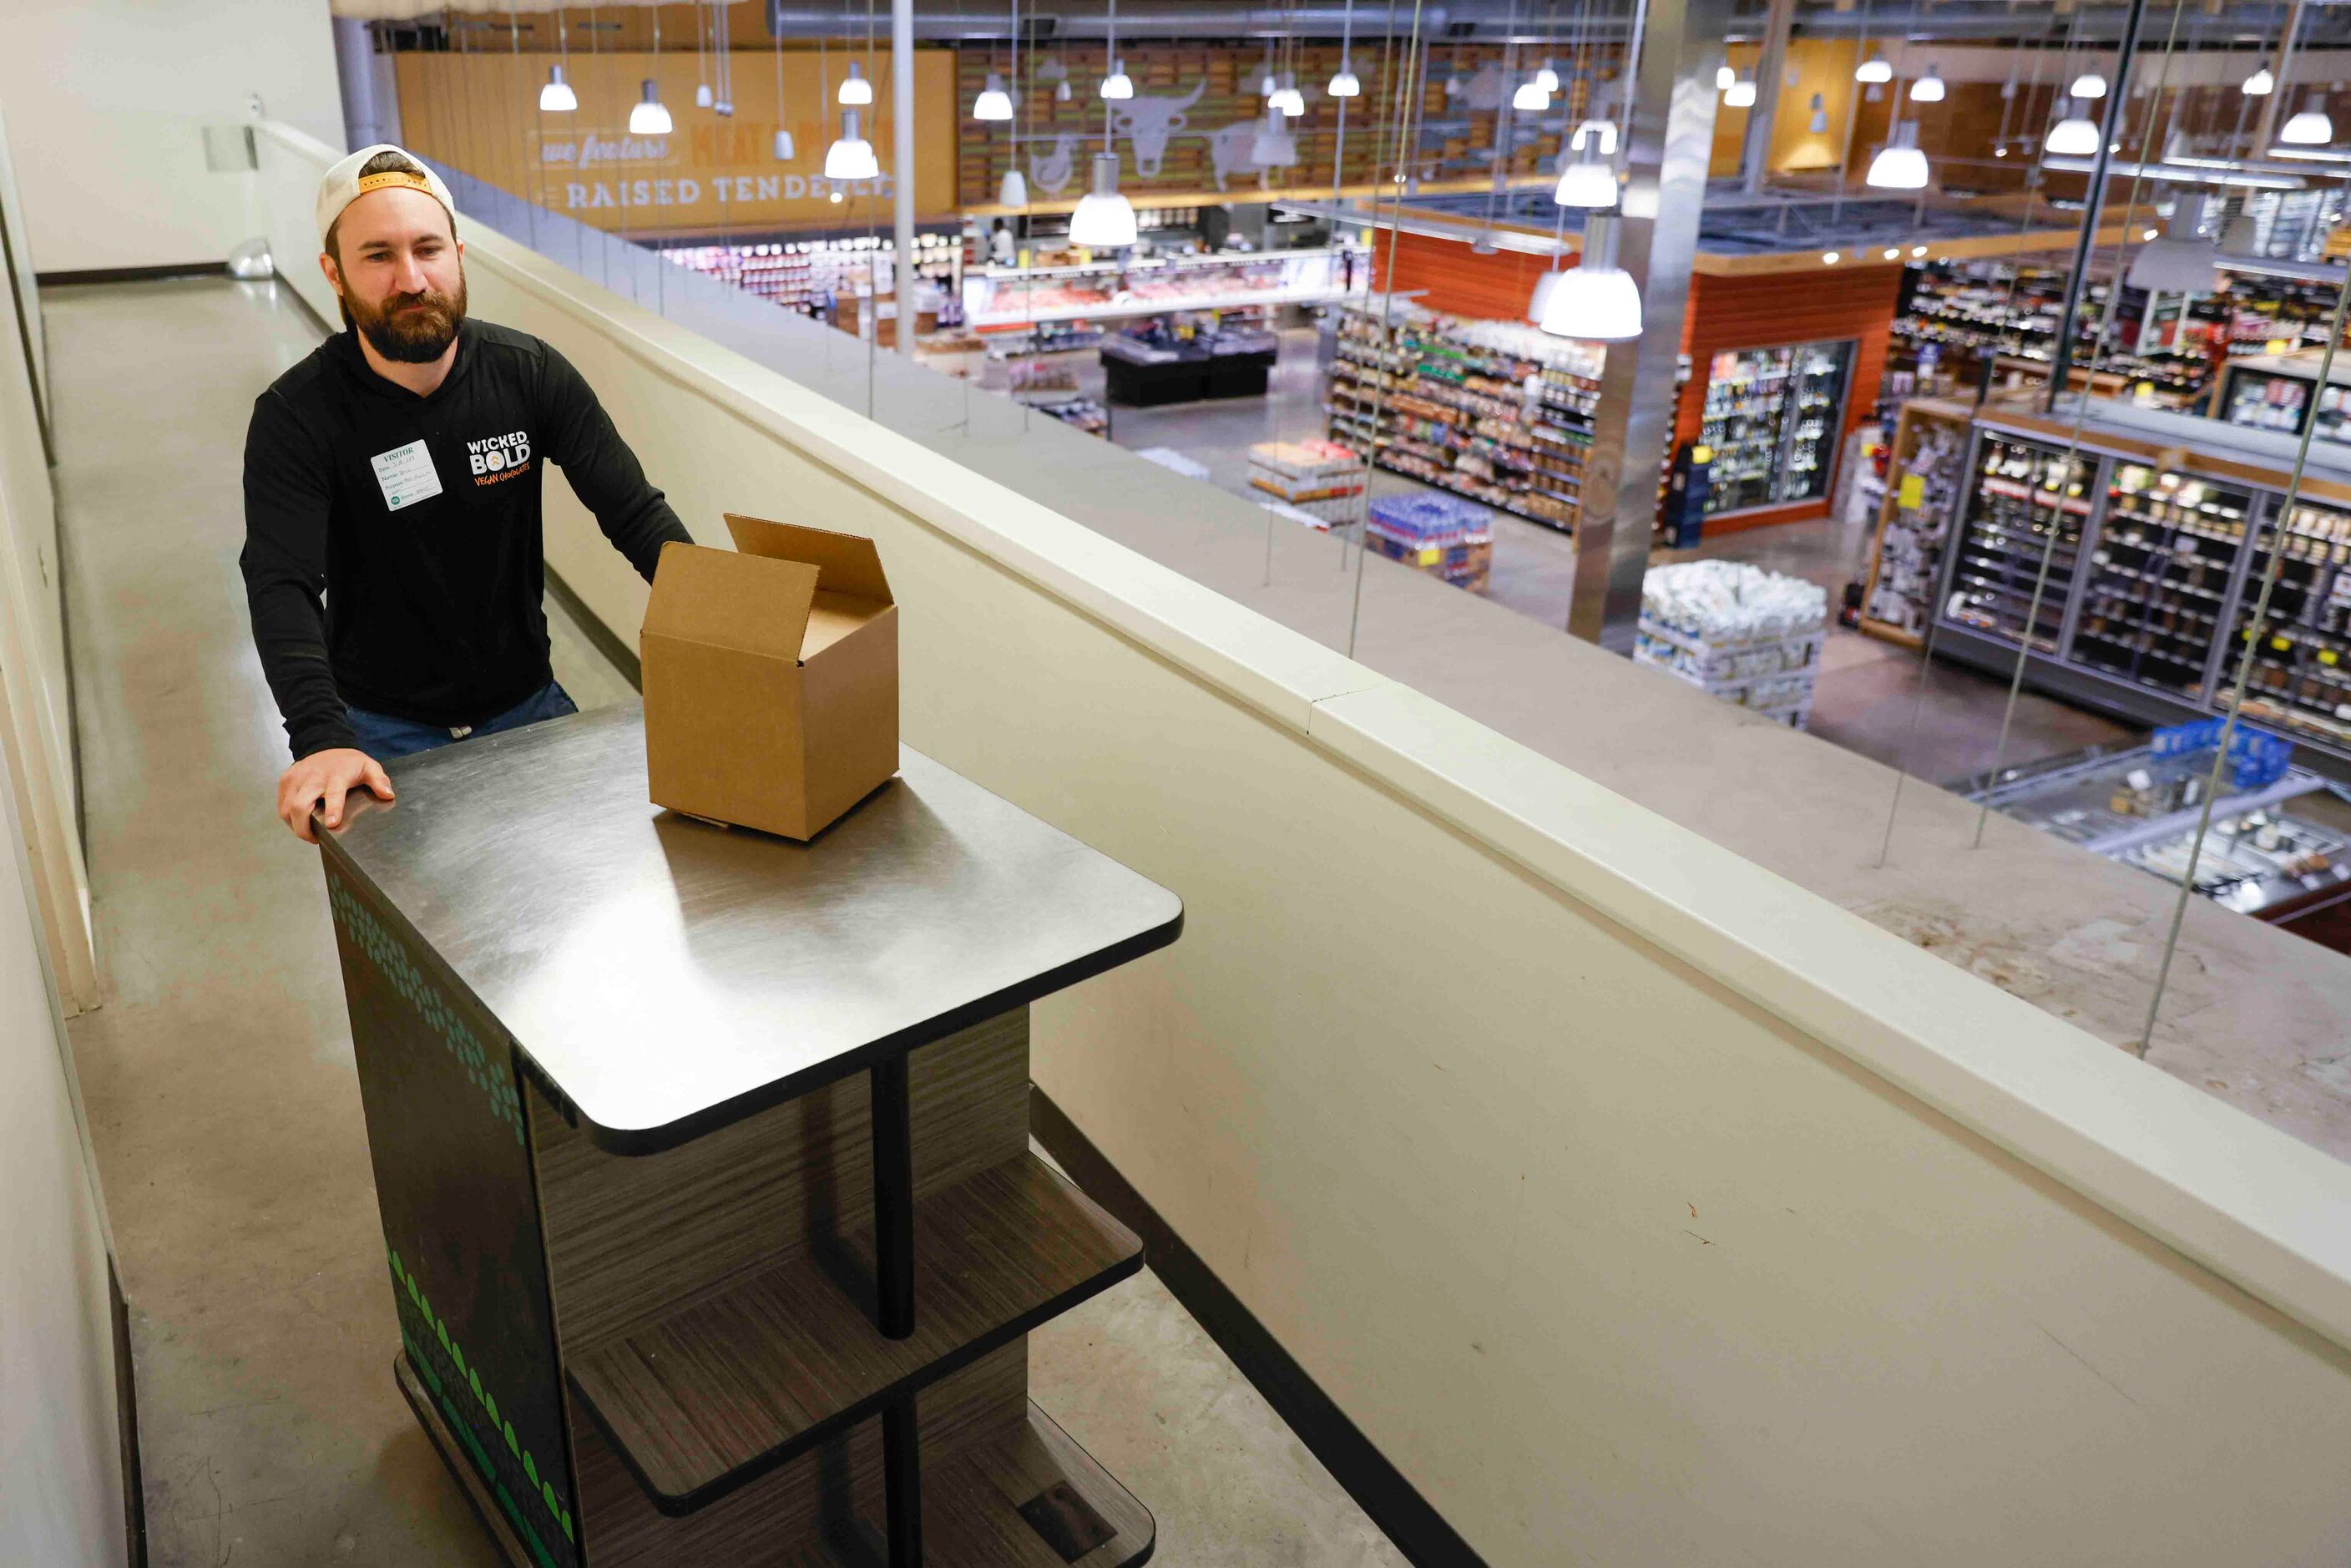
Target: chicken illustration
1051,171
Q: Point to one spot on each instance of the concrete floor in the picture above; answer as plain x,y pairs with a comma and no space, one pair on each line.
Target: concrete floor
218,1076
1869,699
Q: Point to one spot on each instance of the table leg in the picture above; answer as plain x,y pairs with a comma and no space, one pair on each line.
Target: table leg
893,1204
902,1483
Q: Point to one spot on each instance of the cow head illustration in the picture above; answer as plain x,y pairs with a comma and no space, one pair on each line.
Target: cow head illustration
1147,122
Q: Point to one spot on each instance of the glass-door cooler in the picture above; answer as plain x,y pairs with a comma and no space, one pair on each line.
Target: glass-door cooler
1774,418
2017,550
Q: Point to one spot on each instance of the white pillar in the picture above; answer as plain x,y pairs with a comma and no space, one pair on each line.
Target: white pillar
901,159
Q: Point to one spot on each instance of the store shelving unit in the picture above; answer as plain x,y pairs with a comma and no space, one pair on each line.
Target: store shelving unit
2157,552
1923,487
1772,417
1495,411
2275,391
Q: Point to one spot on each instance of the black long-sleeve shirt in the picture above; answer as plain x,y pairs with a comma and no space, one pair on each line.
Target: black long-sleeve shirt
430,557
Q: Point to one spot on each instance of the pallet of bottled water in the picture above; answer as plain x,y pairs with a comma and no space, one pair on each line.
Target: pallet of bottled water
1738,633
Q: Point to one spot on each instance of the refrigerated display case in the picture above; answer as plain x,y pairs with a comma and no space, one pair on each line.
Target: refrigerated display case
2021,542
2273,391
2301,678
2158,579
1774,418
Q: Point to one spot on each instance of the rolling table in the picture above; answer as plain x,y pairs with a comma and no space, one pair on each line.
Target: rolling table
703,1157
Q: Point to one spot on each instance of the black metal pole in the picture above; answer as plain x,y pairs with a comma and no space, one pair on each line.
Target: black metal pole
893,1201
902,1482
2060,364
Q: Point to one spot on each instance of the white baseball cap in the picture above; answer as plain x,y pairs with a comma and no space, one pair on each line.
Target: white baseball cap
345,184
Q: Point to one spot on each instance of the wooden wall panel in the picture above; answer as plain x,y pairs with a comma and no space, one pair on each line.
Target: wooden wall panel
1457,279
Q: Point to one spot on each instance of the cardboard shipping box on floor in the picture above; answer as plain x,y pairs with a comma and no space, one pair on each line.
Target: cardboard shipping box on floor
770,677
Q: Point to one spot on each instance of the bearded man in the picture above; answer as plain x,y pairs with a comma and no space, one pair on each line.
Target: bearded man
397,469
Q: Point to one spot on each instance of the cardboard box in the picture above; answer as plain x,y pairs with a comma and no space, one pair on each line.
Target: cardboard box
770,677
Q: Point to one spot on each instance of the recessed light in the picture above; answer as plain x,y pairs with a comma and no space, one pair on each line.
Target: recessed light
1918,250
1892,253
1830,257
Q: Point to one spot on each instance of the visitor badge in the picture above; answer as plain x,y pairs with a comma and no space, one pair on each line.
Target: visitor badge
405,474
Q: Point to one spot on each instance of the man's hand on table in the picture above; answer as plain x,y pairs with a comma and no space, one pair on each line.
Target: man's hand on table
327,776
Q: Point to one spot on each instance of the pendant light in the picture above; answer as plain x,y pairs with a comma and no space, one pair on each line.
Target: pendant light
1530,98
1596,301
647,117
1014,191
993,102
1875,69
1273,147
2088,85
855,90
1927,89
702,95
1740,94
786,149
1287,98
724,103
2179,261
2311,128
1547,78
850,156
1820,123
1118,85
1899,165
1104,219
557,97
1344,83
1545,287
2260,84
1589,183
2075,136
1723,77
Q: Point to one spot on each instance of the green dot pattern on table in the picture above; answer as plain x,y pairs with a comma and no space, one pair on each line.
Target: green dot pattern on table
409,1296
391,959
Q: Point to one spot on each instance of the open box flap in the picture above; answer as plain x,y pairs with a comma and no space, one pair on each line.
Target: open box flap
732,599
849,562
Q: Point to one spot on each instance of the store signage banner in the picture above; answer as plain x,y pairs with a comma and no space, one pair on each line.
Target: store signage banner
711,173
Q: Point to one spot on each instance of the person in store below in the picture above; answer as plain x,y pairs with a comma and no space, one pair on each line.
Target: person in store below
398,469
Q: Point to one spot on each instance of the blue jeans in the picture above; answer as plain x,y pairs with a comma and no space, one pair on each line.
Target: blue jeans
383,737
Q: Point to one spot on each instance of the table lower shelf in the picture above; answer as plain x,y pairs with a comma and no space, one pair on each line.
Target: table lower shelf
1028,1498
723,1391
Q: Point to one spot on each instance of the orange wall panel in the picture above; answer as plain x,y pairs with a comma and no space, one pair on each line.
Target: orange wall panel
1456,280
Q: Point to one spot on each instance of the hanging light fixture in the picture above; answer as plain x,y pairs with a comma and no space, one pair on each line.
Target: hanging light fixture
2260,84
854,88
1104,219
647,117
1875,69
2311,128
1545,286
1820,122
1344,83
850,156
1287,98
2180,260
557,97
1118,85
1723,77
2075,136
1530,98
1596,300
702,95
1014,191
1547,77
1740,94
1899,165
1587,183
1927,89
993,102
723,103
2088,85
786,150
1273,147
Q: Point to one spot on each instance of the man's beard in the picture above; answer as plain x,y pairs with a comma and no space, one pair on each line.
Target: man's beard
411,336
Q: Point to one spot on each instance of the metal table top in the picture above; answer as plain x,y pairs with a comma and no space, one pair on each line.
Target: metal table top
666,976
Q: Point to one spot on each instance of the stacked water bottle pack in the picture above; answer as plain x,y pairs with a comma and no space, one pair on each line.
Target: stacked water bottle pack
1437,534
1742,633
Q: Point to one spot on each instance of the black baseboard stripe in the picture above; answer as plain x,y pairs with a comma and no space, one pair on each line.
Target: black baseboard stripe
125,1413
1418,1531
133,273
624,658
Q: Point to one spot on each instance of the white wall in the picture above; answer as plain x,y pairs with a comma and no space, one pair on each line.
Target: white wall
1640,1206
60,1459
106,103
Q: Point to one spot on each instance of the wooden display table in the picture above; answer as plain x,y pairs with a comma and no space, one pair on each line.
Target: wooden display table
659,1256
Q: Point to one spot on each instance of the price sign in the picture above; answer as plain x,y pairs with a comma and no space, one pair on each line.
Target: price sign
1913,494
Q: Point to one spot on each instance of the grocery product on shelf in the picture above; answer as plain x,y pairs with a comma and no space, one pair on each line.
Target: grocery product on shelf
2016,549
1740,632
1436,534
1083,413
1495,410
1320,478
1923,485
1773,418
2301,674
2157,576
1149,285
808,275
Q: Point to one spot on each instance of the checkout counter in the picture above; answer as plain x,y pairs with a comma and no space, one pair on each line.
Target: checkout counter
709,1212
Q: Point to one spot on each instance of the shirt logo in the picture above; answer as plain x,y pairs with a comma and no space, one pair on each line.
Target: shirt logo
498,457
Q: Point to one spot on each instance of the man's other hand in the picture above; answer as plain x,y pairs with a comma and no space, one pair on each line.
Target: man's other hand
325,776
